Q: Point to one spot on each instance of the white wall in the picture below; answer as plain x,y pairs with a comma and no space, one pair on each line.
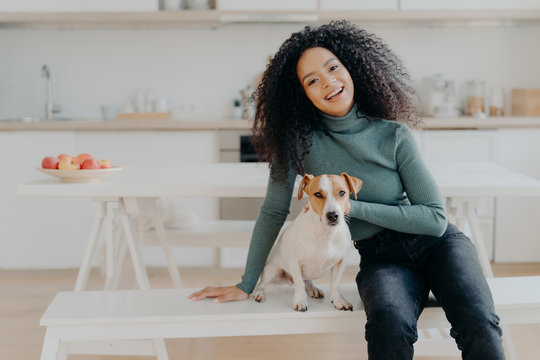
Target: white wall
207,67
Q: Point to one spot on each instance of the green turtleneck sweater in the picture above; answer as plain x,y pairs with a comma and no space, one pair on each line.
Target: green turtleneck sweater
398,192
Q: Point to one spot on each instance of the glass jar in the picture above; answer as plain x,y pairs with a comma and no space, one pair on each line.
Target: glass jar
496,101
475,98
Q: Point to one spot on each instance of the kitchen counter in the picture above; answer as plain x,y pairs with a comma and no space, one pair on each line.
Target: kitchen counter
212,125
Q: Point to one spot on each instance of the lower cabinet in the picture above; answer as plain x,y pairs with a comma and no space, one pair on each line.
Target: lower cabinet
49,232
517,226
446,146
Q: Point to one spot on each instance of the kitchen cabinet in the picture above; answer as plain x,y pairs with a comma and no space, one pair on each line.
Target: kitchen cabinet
445,146
331,5
41,6
35,233
267,5
517,226
52,232
77,5
469,5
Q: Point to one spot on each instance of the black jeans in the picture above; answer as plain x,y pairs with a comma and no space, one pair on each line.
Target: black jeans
398,270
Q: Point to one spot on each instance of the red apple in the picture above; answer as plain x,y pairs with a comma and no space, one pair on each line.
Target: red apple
69,163
90,164
61,156
83,157
105,164
50,162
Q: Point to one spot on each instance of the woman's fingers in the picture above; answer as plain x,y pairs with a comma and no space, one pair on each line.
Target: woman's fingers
220,293
232,294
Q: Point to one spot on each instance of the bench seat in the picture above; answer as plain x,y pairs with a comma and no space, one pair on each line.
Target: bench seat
162,314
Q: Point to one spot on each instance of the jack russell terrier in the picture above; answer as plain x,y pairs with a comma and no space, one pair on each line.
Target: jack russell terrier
316,242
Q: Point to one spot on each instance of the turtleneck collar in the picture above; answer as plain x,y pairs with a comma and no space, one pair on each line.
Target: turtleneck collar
348,123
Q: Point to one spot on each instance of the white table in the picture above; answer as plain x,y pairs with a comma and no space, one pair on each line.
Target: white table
462,185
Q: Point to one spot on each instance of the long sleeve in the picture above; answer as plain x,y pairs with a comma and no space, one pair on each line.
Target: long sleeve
271,218
426,212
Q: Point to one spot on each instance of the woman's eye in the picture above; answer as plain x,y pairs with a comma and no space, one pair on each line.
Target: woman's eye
334,67
318,195
342,193
312,81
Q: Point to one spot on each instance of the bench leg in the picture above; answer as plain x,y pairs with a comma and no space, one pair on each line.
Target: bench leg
160,349
508,343
51,347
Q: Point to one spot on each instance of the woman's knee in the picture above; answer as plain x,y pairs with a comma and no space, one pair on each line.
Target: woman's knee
393,323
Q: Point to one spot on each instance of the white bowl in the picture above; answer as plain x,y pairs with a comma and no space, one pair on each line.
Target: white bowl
80,175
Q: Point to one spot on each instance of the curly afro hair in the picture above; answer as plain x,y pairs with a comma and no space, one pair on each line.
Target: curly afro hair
285,118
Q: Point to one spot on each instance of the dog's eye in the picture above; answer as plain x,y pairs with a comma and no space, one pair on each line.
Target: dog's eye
318,195
342,193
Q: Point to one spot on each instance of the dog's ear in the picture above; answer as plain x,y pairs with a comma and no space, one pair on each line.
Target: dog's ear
305,180
353,183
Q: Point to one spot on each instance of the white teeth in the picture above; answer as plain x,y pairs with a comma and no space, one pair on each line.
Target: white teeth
335,92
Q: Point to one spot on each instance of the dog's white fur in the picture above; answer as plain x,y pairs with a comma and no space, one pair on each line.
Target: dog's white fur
314,243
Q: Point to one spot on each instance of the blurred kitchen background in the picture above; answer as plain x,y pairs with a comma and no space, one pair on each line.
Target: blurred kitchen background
194,60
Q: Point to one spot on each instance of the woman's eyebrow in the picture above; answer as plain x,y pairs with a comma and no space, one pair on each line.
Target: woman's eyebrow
324,65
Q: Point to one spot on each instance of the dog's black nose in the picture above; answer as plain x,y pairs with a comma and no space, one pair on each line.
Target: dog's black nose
332,216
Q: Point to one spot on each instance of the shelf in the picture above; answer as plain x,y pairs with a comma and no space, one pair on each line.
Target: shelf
429,123
212,18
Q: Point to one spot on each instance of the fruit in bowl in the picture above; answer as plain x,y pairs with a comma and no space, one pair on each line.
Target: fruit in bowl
104,163
50,162
63,166
69,163
90,164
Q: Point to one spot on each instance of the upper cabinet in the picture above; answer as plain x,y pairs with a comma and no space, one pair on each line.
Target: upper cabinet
267,5
78,5
469,5
146,13
333,5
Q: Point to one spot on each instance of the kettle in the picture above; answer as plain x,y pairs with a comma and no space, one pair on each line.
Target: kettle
439,96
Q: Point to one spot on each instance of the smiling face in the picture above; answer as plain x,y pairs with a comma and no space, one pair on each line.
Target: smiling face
326,81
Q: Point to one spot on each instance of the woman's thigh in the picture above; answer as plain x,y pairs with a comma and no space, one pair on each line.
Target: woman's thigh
392,289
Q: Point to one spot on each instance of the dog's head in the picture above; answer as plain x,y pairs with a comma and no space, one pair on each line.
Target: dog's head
329,195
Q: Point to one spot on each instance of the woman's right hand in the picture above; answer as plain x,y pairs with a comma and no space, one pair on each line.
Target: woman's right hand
220,294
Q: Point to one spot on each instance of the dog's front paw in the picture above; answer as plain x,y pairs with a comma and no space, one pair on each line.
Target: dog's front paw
316,293
342,304
300,303
258,295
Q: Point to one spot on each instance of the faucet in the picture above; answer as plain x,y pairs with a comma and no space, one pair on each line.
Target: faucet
50,108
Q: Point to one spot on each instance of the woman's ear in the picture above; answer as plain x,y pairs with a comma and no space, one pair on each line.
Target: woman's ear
305,181
354,184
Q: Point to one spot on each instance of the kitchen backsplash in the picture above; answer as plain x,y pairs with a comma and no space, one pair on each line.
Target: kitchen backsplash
200,71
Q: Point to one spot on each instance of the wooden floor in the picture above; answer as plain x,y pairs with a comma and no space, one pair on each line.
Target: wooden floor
24,295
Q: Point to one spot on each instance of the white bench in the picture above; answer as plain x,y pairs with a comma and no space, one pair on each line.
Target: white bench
76,318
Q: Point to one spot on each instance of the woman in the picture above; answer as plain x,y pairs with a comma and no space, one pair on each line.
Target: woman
336,99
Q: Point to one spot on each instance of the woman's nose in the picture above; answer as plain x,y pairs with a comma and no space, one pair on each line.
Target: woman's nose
328,80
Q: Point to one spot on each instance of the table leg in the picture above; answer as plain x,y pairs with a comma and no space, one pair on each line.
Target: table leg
91,247
164,241
466,219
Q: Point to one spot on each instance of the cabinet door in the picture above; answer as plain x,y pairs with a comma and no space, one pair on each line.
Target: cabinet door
358,5
41,5
468,5
36,232
517,230
446,146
